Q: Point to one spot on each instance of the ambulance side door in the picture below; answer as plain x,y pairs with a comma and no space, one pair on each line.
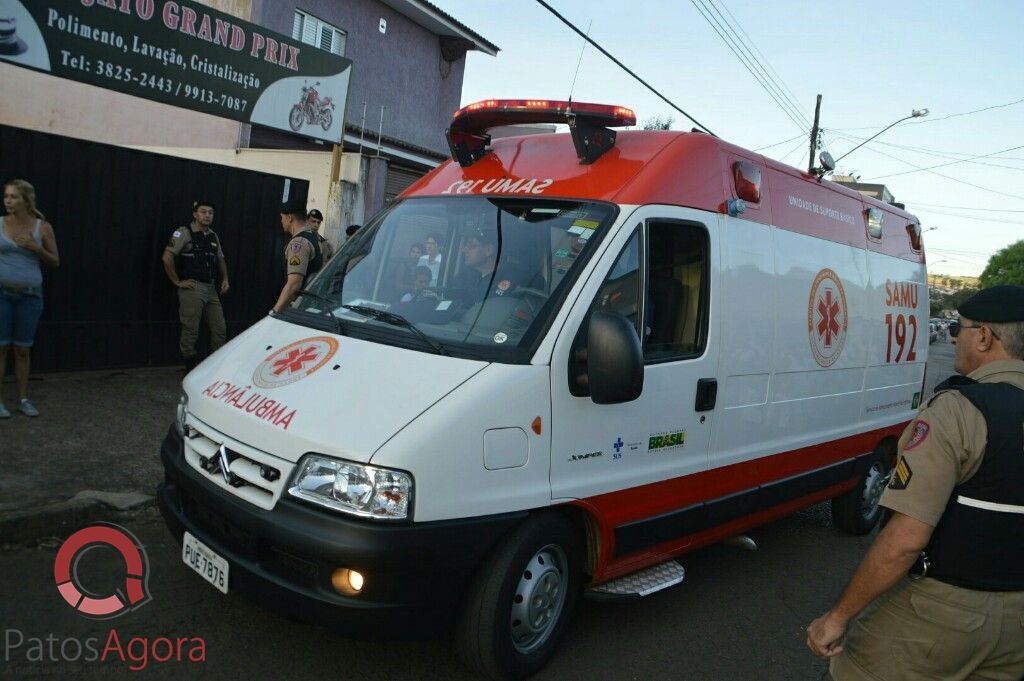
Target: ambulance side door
659,273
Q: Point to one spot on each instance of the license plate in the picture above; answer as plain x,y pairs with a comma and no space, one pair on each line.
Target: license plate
205,561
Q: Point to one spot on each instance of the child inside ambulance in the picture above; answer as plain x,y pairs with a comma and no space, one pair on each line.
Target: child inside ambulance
420,285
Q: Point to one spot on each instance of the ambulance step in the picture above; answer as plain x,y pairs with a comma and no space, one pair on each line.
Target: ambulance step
639,584
741,541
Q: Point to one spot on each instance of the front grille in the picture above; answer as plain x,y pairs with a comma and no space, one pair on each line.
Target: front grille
243,544
255,476
292,568
231,536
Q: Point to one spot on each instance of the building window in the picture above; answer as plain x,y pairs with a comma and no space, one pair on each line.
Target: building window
312,31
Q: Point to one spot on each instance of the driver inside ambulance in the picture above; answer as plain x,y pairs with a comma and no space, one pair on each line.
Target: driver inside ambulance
479,259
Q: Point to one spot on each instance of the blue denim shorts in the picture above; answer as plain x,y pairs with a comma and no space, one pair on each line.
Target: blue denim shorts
19,317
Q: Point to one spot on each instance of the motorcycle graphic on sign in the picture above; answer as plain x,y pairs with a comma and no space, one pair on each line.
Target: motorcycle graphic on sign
311,109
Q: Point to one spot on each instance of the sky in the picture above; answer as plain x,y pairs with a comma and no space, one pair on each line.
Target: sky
873,63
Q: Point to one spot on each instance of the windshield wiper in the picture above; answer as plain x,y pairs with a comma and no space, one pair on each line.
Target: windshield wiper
395,319
327,310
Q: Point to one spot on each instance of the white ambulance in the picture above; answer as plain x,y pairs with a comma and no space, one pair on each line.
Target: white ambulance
615,350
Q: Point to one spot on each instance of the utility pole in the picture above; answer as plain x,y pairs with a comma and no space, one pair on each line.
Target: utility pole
814,136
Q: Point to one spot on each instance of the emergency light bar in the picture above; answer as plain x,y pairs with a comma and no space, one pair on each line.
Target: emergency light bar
588,123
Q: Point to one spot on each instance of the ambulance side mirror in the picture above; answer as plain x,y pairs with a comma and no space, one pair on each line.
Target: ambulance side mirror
615,360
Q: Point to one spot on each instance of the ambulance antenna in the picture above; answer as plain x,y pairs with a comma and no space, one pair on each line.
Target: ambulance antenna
622,66
579,61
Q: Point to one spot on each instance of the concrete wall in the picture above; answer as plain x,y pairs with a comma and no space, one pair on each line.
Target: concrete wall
314,166
400,70
63,107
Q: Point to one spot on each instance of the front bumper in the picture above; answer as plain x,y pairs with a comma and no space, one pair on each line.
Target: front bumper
416,573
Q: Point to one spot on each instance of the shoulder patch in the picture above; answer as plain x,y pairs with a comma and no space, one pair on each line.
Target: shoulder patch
294,261
901,475
296,246
177,233
918,435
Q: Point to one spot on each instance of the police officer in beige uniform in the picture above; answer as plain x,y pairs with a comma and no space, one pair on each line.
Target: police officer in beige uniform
303,257
942,587
193,260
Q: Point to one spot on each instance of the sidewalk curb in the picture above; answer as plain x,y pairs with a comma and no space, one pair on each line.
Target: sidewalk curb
62,518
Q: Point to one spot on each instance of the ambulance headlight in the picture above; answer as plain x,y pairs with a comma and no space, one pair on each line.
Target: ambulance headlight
182,414
365,491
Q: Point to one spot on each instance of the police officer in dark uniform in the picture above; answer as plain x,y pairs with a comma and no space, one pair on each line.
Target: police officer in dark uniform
303,256
942,587
193,261
314,219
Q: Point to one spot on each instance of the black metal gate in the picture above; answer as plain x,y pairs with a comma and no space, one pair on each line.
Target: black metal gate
109,304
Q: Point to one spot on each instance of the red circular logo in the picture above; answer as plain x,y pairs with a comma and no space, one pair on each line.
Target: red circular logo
827,318
294,362
65,571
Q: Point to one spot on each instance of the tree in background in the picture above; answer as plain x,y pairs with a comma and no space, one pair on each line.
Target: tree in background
1005,267
659,123
941,303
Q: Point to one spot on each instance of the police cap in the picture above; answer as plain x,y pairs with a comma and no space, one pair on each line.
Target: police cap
316,215
196,205
997,304
294,207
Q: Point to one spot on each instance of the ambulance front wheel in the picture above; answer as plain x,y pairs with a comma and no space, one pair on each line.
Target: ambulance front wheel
857,511
521,600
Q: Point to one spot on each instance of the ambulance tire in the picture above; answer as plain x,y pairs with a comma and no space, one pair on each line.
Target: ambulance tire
857,512
539,563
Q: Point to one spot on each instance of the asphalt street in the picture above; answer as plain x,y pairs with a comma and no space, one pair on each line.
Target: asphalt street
738,615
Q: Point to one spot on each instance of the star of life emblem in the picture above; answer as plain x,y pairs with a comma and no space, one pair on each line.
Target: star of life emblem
294,362
827,318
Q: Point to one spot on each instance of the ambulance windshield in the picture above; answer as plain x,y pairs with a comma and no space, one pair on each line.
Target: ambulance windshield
475,275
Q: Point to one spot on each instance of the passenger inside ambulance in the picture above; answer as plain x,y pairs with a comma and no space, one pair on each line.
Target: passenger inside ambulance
419,289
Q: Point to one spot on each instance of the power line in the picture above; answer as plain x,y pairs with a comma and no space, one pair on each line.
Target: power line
778,78
790,152
990,210
953,179
943,165
949,155
956,251
971,217
942,118
753,61
933,152
728,43
962,260
769,146
622,66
